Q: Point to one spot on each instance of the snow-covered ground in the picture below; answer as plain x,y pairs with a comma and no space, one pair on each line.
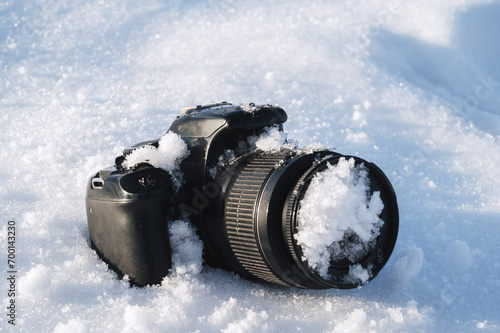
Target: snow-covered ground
413,86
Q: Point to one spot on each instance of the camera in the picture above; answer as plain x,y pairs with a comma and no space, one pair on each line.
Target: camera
306,218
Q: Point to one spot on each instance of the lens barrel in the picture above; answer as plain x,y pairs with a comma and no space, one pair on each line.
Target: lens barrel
262,194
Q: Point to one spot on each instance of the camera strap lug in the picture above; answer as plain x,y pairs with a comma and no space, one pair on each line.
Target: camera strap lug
97,183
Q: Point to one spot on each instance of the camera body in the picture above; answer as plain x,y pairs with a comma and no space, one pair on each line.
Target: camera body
127,208
245,213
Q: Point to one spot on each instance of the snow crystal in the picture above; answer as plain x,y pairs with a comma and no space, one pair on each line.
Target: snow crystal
336,206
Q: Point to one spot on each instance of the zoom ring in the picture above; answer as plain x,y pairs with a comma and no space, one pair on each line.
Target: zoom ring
240,215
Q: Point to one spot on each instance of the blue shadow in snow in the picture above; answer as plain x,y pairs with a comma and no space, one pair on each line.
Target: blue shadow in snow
466,74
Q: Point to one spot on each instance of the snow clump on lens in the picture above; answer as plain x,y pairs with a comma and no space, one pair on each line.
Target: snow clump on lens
338,218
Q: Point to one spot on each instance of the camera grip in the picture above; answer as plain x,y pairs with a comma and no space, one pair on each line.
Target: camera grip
129,230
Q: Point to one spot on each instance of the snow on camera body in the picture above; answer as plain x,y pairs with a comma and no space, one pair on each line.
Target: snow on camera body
308,218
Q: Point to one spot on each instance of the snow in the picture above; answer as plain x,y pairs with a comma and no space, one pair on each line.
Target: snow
271,139
408,265
411,86
187,248
336,207
168,156
250,107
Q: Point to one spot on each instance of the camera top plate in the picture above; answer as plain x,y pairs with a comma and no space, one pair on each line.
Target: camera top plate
205,120
198,108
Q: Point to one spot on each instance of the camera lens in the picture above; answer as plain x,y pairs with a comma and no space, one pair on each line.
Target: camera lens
309,220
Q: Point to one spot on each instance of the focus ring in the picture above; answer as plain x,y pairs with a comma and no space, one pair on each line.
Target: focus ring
239,215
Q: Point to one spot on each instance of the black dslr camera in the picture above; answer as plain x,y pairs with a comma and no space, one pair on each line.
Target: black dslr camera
247,213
